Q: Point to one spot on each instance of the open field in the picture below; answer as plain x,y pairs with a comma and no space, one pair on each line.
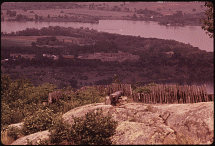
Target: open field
185,7
17,40
166,8
56,12
27,40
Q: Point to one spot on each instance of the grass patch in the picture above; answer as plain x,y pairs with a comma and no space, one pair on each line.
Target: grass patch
16,41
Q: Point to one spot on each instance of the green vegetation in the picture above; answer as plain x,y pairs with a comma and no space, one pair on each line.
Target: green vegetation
15,42
93,129
21,99
142,89
208,24
23,102
14,132
40,121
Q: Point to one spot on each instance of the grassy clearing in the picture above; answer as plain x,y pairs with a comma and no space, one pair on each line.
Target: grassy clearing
27,40
17,40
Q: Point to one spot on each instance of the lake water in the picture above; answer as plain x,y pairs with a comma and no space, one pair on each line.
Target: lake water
193,35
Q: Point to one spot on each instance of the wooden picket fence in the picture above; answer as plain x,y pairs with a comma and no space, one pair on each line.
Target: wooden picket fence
174,94
158,94
103,89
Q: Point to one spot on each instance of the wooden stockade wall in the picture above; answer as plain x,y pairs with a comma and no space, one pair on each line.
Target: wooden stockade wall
103,89
158,94
173,94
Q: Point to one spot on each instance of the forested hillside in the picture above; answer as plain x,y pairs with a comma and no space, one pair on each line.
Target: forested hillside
158,59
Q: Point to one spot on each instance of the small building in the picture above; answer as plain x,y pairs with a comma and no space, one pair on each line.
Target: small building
69,56
170,53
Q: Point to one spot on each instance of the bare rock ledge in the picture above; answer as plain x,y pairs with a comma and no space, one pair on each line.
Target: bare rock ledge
140,123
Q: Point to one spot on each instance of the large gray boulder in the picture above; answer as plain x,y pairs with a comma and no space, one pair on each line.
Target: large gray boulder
35,137
140,123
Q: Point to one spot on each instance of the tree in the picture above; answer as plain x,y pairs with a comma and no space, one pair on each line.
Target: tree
208,22
40,18
116,79
36,17
39,56
73,83
134,17
33,44
5,82
19,17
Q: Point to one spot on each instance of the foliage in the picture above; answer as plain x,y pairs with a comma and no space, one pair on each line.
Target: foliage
92,129
143,89
70,99
5,82
208,23
62,106
40,121
10,115
11,13
60,131
10,90
14,132
116,79
20,98
87,96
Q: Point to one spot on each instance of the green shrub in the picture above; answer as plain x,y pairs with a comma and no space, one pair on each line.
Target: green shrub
5,82
11,89
143,89
61,106
88,96
41,120
93,129
14,132
20,98
59,131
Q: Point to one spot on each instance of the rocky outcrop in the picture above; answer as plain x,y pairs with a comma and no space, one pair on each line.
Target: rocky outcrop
140,123
17,125
35,137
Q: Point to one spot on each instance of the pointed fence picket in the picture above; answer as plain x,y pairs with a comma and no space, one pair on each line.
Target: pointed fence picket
174,94
158,94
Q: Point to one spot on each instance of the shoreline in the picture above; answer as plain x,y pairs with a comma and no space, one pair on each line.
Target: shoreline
108,18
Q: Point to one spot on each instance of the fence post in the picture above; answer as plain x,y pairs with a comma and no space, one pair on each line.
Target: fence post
205,92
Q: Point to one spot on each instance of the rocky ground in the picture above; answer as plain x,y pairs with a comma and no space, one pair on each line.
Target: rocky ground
140,123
